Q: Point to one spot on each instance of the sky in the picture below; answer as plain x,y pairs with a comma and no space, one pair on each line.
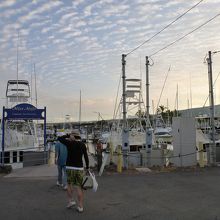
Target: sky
78,45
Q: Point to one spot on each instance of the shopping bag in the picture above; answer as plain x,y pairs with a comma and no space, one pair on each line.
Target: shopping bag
87,182
95,184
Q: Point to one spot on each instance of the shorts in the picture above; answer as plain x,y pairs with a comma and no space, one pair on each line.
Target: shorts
75,177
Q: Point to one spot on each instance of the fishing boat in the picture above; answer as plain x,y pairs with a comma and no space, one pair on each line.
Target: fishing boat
135,121
204,137
20,135
162,133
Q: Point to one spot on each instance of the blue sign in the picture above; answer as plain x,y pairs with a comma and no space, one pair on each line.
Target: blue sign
21,111
24,111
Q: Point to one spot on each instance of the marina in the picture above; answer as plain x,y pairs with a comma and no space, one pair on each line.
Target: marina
133,84
139,144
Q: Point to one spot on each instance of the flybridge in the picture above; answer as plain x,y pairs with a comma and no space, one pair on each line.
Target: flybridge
18,86
17,91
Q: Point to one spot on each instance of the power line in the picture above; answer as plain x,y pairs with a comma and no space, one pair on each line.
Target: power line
164,28
213,87
185,35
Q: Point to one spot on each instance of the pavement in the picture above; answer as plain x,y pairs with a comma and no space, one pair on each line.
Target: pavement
31,193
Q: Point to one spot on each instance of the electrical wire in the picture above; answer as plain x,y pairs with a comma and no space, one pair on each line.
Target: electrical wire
146,41
179,39
213,87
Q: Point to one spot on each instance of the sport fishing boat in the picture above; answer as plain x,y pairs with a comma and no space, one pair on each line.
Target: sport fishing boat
135,121
22,135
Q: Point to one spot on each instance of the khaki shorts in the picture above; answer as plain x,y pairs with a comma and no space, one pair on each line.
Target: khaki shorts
75,177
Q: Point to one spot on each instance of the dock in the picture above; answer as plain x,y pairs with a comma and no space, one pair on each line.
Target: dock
31,193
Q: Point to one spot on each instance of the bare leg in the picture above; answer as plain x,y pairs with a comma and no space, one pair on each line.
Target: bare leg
80,196
69,192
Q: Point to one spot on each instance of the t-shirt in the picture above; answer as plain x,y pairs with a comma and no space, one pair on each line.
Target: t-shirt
61,152
76,150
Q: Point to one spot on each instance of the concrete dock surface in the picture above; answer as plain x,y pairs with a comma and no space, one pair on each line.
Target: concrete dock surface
31,193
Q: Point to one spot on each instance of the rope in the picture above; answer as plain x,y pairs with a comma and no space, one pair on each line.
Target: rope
165,157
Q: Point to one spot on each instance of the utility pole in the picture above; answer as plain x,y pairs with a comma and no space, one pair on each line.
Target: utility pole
124,91
125,131
147,89
212,112
149,132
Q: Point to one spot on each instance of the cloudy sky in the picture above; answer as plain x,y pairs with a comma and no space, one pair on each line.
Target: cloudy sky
77,45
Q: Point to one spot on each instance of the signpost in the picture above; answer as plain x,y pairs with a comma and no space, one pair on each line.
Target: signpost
22,111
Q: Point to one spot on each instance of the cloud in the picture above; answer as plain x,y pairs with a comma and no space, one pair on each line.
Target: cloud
7,3
66,17
35,14
78,45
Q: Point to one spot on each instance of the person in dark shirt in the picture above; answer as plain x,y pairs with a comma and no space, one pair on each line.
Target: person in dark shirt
76,150
99,150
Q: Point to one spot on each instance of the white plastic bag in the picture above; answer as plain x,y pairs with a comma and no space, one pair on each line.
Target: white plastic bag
95,184
87,182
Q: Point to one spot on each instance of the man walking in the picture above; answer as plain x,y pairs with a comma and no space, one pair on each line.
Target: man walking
74,166
99,150
60,158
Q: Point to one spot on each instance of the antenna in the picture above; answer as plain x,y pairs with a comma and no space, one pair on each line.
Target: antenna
153,112
177,100
190,84
140,88
35,79
190,93
80,103
163,88
17,63
31,83
168,114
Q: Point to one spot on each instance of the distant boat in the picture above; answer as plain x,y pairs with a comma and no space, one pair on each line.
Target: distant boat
137,133
162,133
